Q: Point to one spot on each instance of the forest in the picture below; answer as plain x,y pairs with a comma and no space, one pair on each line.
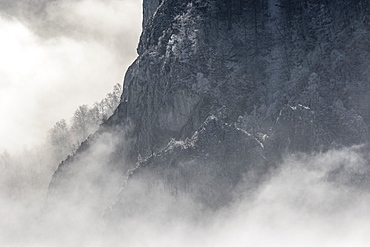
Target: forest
26,174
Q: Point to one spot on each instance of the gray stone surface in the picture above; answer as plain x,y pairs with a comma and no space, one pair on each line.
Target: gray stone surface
280,76
149,8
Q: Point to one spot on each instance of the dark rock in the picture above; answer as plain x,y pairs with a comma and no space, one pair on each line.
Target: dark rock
238,84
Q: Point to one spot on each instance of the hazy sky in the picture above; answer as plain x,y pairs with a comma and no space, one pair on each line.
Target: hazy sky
57,55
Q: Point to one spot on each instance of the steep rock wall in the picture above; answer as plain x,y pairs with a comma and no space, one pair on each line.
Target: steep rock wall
250,59
149,8
290,75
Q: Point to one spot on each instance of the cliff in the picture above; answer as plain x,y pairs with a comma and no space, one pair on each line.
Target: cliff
221,90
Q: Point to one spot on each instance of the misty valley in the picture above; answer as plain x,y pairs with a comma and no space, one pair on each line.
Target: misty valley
239,123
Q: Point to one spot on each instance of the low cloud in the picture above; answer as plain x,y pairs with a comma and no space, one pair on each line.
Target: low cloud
302,204
57,55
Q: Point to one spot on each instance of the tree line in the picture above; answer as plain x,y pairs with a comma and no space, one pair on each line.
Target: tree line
66,137
26,173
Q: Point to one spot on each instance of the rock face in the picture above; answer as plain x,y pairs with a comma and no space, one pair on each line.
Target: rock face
149,8
251,59
225,88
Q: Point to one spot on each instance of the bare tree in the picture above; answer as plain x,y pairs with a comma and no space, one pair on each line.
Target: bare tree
60,139
81,123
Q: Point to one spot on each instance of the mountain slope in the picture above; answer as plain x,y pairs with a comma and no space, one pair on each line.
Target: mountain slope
221,90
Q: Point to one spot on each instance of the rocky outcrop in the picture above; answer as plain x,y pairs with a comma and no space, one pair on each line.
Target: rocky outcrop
149,8
225,88
238,58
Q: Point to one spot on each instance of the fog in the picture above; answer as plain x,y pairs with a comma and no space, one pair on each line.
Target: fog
57,55
309,200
